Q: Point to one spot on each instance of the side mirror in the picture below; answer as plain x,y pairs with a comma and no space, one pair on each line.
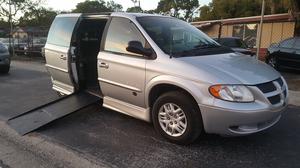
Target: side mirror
137,48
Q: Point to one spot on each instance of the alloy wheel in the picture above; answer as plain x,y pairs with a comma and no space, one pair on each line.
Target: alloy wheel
172,119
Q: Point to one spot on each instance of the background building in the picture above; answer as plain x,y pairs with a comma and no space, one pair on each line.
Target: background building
275,28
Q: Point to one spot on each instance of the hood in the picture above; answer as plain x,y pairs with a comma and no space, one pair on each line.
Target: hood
232,68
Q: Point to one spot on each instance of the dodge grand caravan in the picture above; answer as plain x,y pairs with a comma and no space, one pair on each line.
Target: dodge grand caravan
165,71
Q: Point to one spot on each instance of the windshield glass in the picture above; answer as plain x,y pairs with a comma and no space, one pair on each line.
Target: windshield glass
177,38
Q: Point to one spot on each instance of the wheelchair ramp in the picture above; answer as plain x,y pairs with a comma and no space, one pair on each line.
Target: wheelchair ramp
38,117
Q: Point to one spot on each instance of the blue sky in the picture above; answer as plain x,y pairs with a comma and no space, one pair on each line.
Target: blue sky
66,5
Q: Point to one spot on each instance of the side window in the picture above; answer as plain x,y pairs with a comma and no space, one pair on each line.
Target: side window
61,31
289,43
120,32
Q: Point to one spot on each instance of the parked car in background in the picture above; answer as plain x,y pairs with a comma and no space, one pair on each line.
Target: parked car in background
19,45
236,44
4,58
35,48
285,54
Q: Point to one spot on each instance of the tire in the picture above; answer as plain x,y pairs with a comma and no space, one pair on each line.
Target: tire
5,69
163,122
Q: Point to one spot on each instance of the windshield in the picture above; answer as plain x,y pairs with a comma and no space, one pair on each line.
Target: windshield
177,38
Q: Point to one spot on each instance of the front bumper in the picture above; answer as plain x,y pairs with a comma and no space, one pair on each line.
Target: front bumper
234,122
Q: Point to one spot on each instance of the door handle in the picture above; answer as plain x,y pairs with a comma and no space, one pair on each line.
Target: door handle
103,65
63,57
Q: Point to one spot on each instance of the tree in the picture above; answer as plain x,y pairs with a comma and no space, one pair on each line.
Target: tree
205,12
39,16
172,7
222,9
188,6
165,7
3,23
112,6
135,9
95,6
17,7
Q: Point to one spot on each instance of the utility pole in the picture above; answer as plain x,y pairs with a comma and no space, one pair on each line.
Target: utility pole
11,40
258,41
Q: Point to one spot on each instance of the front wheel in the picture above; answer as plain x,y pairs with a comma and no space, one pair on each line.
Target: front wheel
176,117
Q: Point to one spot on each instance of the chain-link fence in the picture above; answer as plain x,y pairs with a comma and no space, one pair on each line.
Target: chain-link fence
276,28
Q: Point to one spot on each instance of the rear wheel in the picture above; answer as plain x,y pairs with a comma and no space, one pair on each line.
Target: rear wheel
176,117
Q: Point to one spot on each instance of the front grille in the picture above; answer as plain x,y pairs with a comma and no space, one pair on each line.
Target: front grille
271,87
266,87
274,99
279,80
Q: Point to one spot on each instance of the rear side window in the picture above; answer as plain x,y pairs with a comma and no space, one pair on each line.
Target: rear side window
289,43
120,32
61,31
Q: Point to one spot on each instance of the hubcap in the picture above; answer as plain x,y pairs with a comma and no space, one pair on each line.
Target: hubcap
172,119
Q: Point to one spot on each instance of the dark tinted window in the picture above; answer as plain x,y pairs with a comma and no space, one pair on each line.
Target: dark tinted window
120,32
297,44
289,43
61,31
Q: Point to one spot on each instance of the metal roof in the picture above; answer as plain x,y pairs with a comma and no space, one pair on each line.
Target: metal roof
253,19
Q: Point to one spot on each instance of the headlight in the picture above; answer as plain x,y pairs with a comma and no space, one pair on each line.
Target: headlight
233,93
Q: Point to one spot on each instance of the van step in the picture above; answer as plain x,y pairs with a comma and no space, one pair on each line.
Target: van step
40,116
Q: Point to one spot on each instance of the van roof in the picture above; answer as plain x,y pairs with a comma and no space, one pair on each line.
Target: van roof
120,14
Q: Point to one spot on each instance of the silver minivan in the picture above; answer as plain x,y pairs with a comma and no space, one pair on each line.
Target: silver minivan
165,71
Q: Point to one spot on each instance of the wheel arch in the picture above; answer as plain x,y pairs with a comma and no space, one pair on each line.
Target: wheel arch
163,84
